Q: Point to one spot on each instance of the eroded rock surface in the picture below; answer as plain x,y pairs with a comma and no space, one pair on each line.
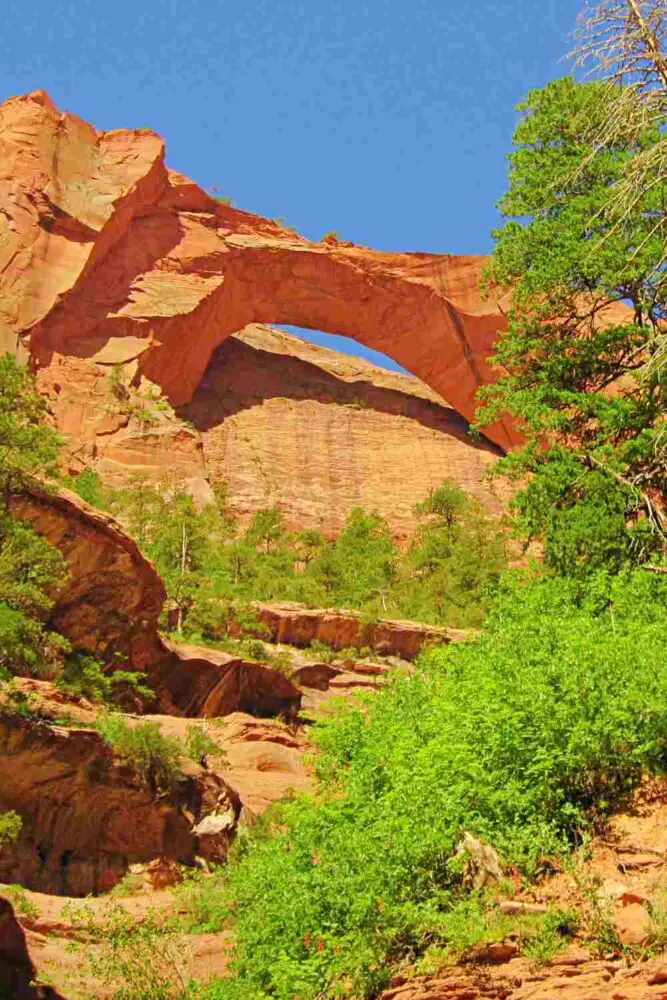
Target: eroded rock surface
86,817
111,604
107,255
319,433
112,599
296,625
197,681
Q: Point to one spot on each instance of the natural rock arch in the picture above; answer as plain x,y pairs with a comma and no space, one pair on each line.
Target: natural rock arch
105,254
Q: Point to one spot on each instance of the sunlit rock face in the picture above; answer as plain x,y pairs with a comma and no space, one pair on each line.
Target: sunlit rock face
106,256
318,433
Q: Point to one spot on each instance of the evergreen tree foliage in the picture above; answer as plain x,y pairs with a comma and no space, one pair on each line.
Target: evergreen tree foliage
584,305
30,568
447,574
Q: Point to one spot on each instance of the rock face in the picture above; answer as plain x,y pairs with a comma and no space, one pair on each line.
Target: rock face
106,255
86,818
17,970
318,433
111,604
282,422
296,625
113,598
195,681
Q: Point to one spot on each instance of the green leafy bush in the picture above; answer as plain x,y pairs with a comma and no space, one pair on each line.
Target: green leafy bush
213,571
527,737
10,827
198,744
21,901
135,959
154,756
82,674
88,485
597,499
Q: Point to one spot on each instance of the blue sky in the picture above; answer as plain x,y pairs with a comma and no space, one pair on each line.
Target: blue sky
386,121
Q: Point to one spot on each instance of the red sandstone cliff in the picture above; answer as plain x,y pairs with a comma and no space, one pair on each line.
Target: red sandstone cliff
107,256
283,422
318,433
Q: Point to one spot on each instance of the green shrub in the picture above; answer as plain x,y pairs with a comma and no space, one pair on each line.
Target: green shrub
142,959
527,738
23,905
256,649
10,827
198,744
88,485
83,675
322,650
282,660
154,757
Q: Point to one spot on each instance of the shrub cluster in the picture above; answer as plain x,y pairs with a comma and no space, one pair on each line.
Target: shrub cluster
525,738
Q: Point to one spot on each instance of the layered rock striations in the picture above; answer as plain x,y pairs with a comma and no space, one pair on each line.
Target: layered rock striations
279,421
318,433
107,256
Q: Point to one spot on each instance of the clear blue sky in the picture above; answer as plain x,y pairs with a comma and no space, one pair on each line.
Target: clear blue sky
387,121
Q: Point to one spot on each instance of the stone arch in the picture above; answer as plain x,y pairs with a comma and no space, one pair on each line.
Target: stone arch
110,256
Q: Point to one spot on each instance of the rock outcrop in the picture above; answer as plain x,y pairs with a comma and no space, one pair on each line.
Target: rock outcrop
111,603
86,817
296,625
108,256
112,599
281,422
197,681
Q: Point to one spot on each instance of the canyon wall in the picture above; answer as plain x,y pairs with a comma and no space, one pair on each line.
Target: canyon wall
280,421
319,433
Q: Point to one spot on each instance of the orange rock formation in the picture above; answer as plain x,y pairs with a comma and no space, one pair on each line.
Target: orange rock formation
315,432
108,256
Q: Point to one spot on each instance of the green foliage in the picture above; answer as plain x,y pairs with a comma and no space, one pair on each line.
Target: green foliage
331,234
21,902
281,221
27,648
198,744
473,923
10,827
82,674
30,568
131,884
27,446
527,738
134,959
143,747
595,427
454,562
117,385
88,485
212,570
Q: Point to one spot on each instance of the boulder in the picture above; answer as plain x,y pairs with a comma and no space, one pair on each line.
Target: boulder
17,971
